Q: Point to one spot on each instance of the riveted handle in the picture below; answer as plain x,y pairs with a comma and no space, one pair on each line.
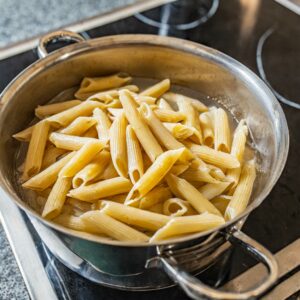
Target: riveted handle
196,289
56,36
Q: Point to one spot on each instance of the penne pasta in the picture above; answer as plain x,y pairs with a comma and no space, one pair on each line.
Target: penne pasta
134,216
217,158
139,99
51,155
48,176
91,133
173,98
155,173
92,170
169,116
242,193
43,111
36,149
134,153
101,189
103,125
191,118
179,169
175,207
109,172
81,205
156,195
183,189
212,190
160,132
71,142
57,198
107,95
158,89
201,174
157,208
221,202
82,157
79,126
96,84
115,112
24,135
64,118
187,225
118,149
112,227
145,136
163,104
207,129
76,223
182,132
222,131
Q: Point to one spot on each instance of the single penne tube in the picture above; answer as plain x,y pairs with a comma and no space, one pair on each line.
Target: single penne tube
212,190
163,104
243,191
233,176
47,177
112,227
201,174
157,89
217,173
91,133
79,126
64,118
187,225
92,170
101,189
173,98
108,173
82,157
221,202
170,116
239,141
76,223
159,130
214,157
96,84
157,208
141,129
116,112
51,155
70,142
117,198
156,195
134,216
155,173
191,118
118,149
184,190
43,111
222,137
179,169
107,95
181,132
57,198
36,149
103,125
207,129
77,204
144,99
175,207
135,157
24,135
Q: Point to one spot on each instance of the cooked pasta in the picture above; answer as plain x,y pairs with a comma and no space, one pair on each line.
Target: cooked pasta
135,166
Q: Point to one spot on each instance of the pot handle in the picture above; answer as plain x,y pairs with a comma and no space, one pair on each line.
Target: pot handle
196,289
61,36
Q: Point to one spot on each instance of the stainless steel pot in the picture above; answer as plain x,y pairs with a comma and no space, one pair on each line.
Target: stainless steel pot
139,266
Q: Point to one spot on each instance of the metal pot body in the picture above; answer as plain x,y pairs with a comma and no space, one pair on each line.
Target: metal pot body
187,64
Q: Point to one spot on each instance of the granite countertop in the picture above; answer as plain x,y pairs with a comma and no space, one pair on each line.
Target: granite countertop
21,20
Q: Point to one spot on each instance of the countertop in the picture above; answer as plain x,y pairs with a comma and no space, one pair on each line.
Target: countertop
21,20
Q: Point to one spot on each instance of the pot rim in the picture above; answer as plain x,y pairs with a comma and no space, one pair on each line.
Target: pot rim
207,53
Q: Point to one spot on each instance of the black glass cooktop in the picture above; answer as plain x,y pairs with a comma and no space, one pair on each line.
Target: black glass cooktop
237,28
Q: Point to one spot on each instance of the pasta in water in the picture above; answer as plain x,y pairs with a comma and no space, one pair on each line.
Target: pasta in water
136,164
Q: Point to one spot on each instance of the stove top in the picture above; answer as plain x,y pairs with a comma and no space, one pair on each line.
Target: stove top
264,36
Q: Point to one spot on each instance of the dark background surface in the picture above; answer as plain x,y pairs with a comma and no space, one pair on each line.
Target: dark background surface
235,30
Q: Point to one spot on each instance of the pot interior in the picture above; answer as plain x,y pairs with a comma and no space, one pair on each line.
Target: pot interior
200,72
